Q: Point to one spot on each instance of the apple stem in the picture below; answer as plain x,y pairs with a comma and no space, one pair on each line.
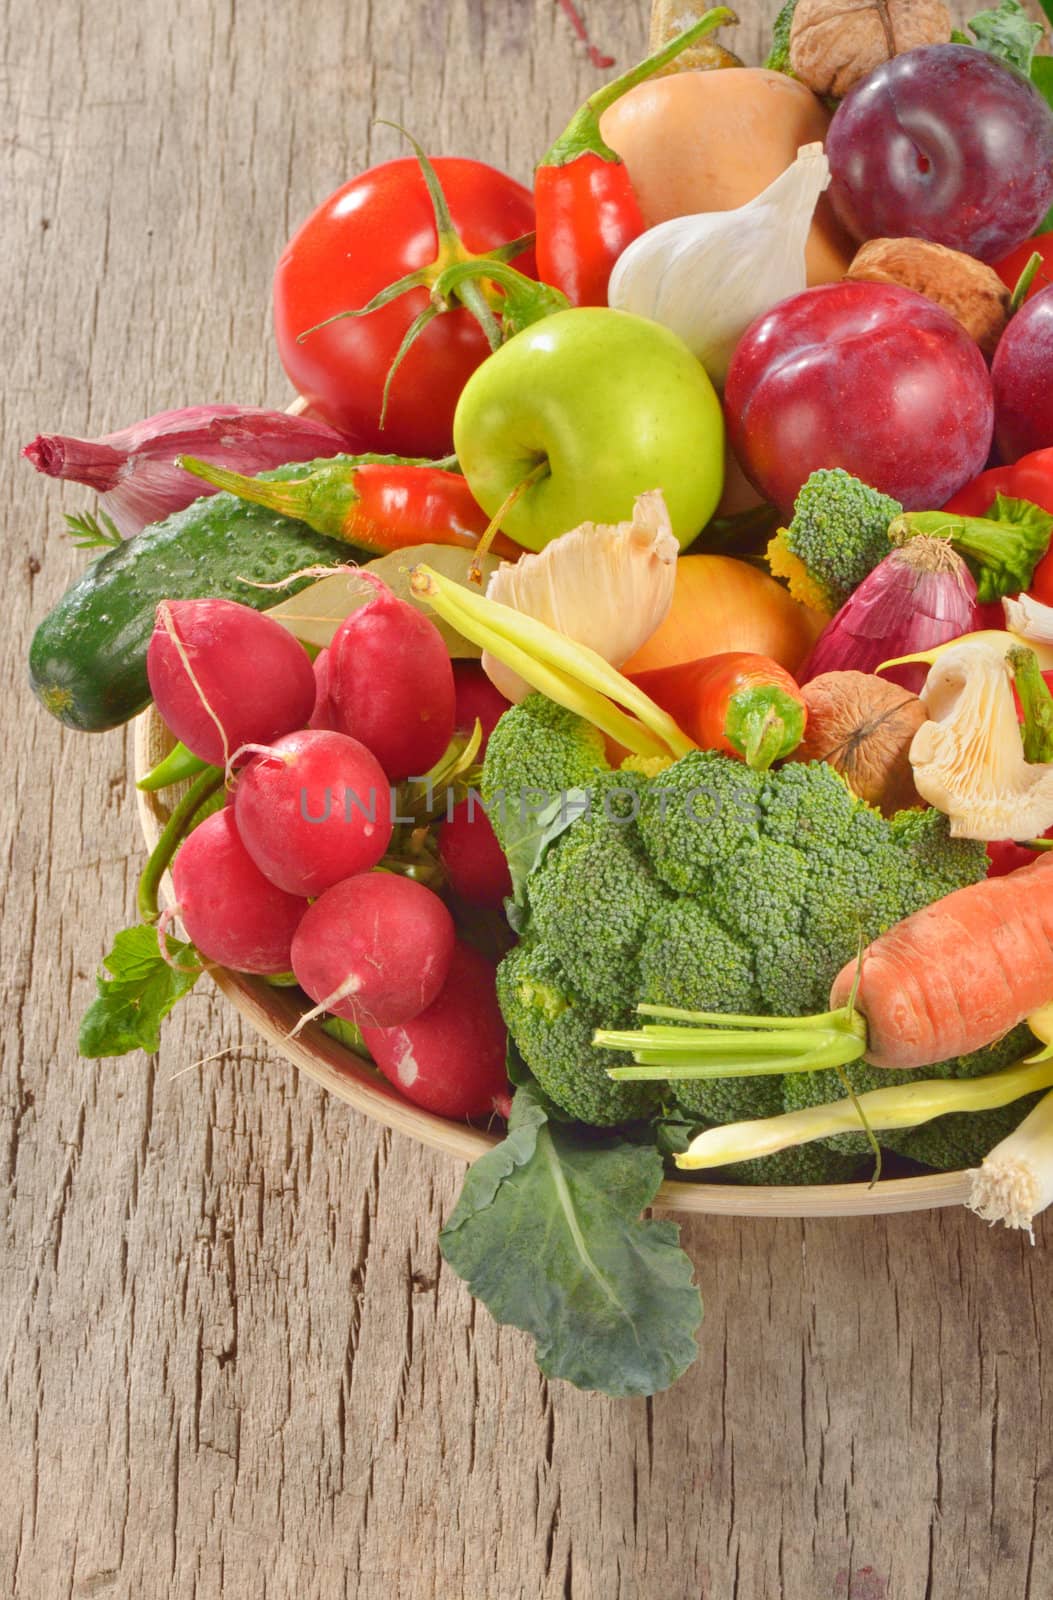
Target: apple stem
539,470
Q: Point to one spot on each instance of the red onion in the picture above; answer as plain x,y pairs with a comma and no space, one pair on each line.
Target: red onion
133,470
917,597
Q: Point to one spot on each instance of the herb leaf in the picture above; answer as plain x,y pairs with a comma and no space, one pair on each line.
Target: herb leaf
1008,34
547,1233
139,994
88,532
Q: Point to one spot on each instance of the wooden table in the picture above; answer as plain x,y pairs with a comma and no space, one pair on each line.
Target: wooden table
231,1363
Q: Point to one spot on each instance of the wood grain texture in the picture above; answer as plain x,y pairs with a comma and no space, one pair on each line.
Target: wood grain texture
231,1365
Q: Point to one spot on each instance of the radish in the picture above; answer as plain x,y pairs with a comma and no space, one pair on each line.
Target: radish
474,861
231,912
450,1059
391,683
476,699
374,949
223,675
323,715
313,808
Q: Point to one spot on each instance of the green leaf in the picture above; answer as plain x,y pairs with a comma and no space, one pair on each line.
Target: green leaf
139,994
88,532
547,1233
1047,6
527,839
1007,34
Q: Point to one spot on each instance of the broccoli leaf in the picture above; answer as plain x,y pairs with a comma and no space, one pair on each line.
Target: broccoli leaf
527,838
139,994
1008,34
547,1233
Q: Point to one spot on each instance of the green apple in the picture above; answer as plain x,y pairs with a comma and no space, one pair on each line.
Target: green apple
615,405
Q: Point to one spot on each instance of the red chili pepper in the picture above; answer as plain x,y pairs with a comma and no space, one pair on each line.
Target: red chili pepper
1030,478
378,503
741,704
587,211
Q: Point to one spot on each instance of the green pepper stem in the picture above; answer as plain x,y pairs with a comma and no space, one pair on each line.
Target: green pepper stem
582,134
175,830
1003,549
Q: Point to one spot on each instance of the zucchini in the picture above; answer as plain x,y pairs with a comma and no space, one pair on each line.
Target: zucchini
87,661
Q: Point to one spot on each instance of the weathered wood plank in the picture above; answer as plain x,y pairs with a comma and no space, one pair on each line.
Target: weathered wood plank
231,1363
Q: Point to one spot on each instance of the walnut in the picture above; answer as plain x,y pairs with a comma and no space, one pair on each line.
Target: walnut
973,293
835,43
863,726
670,17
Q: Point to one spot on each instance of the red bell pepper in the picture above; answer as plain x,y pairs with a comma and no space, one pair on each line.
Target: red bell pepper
587,211
377,503
1030,478
739,703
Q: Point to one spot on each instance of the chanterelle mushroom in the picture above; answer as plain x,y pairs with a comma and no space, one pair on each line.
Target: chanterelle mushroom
968,759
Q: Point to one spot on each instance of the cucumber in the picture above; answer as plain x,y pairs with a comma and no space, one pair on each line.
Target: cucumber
87,661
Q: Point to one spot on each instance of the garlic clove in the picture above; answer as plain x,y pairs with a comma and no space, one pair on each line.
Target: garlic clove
607,586
708,276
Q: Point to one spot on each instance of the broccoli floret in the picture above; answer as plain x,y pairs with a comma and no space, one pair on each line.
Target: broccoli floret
687,959
838,532
594,895
801,1164
696,814
537,749
553,1028
946,863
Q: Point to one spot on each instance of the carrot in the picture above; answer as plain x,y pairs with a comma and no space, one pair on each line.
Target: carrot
962,972
742,704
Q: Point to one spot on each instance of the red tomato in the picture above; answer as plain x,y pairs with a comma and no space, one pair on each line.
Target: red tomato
367,235
1014,263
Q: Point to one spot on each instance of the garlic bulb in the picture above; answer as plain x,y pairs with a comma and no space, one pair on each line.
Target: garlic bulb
707,277
605,586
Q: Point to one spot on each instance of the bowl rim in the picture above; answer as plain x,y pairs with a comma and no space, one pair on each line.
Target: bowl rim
271,1013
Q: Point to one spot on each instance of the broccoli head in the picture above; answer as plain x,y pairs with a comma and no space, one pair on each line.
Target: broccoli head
837,535
596,935
553,1026
538,749
705,887
698,812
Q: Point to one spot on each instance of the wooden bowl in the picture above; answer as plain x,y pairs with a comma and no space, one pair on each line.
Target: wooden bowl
273,1012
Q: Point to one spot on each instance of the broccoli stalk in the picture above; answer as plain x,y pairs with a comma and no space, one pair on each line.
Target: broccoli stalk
1003,548
903,1106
